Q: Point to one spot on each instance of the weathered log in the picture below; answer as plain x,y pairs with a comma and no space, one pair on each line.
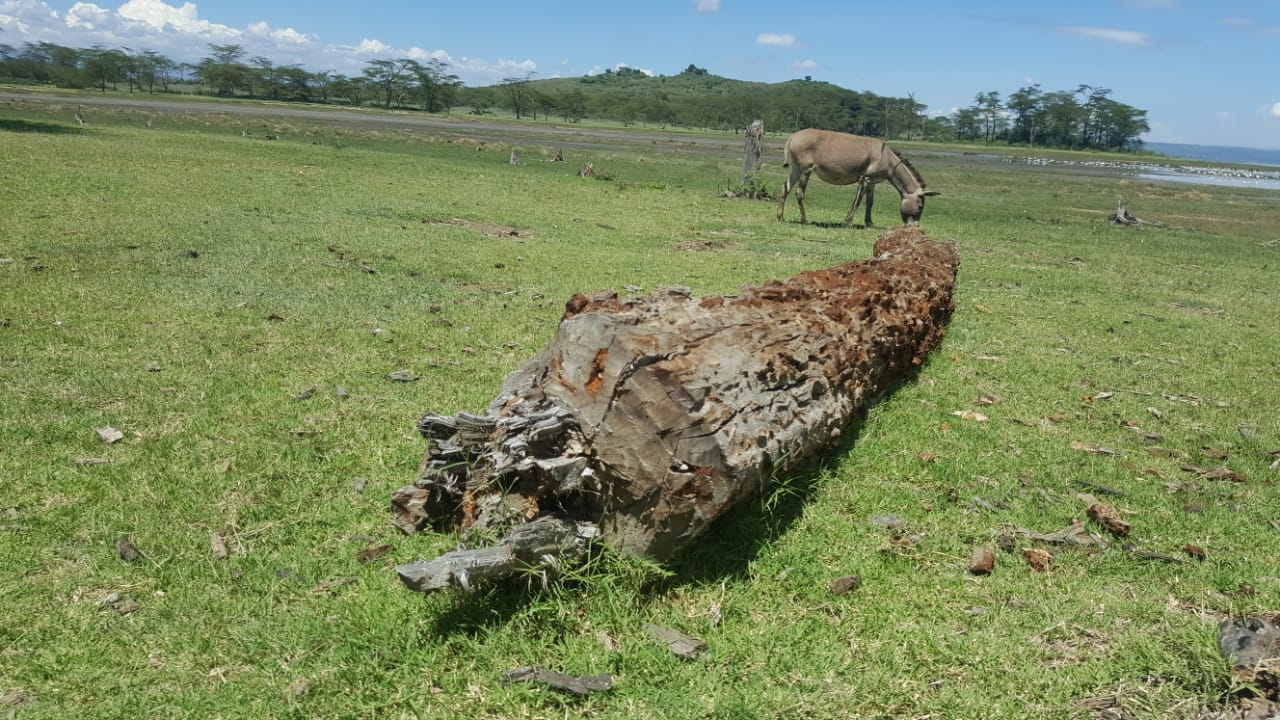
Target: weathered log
647,418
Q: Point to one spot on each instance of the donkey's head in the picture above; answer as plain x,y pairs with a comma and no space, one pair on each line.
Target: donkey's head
909,182
913,205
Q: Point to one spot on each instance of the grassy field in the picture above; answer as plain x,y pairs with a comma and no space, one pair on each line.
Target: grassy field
233,306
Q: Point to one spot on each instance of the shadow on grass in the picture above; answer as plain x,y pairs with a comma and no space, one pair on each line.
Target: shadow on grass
29,126
842,226
726,550
469,614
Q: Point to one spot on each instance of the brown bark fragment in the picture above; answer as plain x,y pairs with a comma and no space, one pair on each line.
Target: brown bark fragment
983,560
846,584
576,684
1038,559
686,646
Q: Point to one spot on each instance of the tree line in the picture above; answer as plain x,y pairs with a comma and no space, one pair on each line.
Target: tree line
1083,118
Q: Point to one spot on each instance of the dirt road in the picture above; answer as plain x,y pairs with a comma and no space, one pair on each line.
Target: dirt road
537,133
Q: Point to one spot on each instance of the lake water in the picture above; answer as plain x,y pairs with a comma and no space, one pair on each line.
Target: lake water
1224,176
1217,153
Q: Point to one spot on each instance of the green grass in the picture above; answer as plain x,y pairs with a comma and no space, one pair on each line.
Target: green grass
185,283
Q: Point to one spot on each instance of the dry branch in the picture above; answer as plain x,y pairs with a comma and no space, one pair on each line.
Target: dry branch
645,419
1122,216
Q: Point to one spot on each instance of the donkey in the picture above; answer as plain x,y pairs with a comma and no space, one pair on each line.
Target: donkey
844,159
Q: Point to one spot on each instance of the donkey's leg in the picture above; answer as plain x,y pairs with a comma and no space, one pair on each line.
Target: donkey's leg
857,198
871,199
804,182
787,185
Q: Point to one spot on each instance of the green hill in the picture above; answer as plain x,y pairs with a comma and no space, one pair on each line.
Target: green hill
698,99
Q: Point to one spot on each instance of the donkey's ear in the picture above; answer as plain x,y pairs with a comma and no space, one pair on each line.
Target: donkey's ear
931,193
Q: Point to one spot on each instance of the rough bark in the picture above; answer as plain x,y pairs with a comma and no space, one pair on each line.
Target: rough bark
647,418
753,150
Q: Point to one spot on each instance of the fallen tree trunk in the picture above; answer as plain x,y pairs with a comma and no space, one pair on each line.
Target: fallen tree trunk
645,419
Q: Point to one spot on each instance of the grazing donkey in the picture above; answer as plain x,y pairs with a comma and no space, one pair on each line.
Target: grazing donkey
844,159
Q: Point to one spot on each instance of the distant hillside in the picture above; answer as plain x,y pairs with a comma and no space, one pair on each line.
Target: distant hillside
698,99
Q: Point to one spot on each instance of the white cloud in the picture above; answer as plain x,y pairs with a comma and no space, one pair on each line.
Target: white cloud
1274,110
179,32
776,39
160,16
87,16
804,65
1121,37
706,6
372,47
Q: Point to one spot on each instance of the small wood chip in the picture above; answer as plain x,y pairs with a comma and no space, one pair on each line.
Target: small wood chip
1220,472
330,584
126,605
1107,516
1038,559
846,584
983,560
1091,449
578,685
402,376
218,545
370,554
297,688
109,435
127,550
686,646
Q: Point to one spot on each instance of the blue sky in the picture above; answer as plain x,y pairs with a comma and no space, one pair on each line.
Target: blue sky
1205,70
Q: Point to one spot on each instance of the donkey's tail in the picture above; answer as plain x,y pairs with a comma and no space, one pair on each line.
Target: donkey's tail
786,154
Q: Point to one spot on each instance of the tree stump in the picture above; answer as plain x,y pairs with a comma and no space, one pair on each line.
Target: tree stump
646,418
1122,216
751,156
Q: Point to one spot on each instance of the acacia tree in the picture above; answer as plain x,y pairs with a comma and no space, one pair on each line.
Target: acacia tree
988,107
155,68
223,72
519,94
1061,114
103,65
572,105
436,86
295,83
266,77
967,124
390,77
1025,106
